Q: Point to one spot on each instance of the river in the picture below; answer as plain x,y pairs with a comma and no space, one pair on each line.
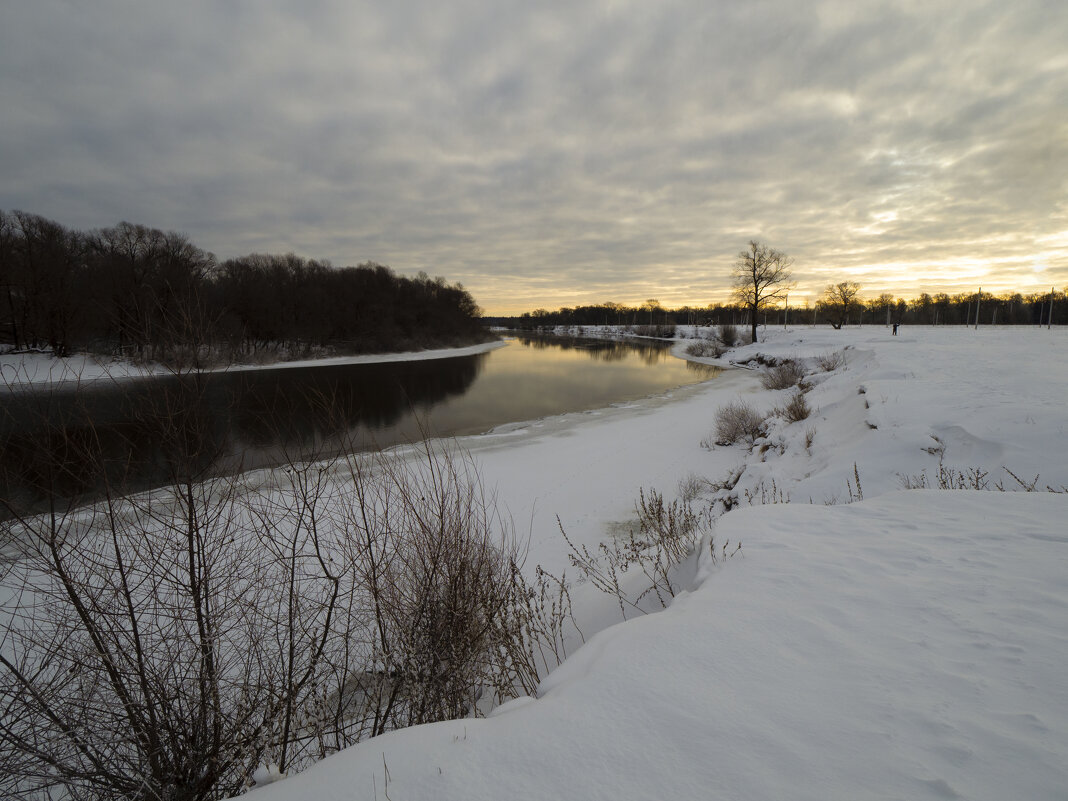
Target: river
137,434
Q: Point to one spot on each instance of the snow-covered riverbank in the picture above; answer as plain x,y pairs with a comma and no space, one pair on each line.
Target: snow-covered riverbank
36,369
907,645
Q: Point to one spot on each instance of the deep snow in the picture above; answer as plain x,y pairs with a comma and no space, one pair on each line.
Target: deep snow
910,645
857,652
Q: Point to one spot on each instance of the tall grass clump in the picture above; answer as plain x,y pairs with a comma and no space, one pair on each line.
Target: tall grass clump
728,335
829,362
795,409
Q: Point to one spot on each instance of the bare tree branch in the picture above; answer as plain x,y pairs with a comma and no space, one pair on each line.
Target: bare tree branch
760,278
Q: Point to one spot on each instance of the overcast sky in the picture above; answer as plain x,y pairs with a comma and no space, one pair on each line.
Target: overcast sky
549,154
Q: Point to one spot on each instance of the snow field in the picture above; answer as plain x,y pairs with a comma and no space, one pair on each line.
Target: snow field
856,652
910,645
907,646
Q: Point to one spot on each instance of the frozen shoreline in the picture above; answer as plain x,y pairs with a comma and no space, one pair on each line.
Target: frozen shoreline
21,370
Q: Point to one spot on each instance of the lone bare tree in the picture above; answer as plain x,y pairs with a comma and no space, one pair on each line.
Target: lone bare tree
839,300
761,276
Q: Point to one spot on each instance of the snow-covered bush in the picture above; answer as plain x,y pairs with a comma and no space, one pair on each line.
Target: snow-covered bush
705,349
783,375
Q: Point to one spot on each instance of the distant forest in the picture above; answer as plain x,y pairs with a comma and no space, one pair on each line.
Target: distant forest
151,295
940,309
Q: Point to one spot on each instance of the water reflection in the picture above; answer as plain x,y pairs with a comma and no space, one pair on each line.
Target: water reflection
605,350
307,405
131,435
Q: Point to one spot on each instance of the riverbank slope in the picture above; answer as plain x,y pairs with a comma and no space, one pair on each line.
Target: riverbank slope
869,641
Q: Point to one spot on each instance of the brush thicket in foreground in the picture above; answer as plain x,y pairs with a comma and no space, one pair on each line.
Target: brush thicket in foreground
167,644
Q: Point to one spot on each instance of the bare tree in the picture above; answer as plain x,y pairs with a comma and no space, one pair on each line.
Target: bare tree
839,301
761,277
8,280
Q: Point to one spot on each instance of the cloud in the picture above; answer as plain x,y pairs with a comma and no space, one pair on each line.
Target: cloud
559,153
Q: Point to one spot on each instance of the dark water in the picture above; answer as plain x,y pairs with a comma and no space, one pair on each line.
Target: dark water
133,435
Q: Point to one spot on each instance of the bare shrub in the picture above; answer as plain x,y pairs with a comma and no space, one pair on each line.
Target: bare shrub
831,361
718,492
783,375
691,487
705,349
738,422
156,650
539,623
168,644
438,562
795,409
971,478
658,331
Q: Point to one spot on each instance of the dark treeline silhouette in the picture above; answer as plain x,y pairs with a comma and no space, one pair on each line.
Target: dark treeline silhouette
940,309
651,313
149,294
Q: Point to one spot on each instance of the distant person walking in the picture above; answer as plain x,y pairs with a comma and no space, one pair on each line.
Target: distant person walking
895,328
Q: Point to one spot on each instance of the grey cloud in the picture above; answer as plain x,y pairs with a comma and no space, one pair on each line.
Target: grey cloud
552,153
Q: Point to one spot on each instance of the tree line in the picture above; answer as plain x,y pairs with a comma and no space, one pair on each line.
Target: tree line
1013,308
841,305
147,294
